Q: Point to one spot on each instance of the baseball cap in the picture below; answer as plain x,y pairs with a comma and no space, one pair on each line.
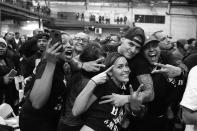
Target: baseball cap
136,35
151,39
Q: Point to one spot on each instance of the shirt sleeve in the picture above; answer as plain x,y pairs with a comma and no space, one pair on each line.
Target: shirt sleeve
189,97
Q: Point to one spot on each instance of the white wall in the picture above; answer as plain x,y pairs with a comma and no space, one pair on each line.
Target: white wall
177,26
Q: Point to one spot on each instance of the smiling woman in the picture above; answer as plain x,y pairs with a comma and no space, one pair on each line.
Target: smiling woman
107,116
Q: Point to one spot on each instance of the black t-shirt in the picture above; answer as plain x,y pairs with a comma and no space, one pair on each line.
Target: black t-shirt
138,66
163,89
105,117
190,61
51,110
162,95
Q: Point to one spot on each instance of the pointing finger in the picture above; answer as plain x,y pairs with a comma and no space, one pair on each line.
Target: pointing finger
109,69
131,89
100,60
160,65
106,101
139,88
158,71
107,96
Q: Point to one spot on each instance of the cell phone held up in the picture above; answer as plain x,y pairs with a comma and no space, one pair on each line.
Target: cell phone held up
56,37
12,73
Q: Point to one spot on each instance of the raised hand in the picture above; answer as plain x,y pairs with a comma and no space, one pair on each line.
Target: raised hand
102,77
93,66
168,70
7,79
52,53
135,99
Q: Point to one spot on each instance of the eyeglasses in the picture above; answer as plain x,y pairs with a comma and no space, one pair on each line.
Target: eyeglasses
64,42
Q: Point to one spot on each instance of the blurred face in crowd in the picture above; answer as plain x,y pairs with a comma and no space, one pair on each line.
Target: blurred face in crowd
194,44
165,43
120,71
17,35
42,44
37,31
3,48
67,43
152,52
114,40
80,41
23,38
9,36
128,48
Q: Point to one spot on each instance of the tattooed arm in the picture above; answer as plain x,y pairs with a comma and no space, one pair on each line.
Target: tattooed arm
147,93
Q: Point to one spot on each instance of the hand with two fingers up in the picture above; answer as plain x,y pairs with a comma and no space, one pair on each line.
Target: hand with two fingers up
168,70
136,99
94,66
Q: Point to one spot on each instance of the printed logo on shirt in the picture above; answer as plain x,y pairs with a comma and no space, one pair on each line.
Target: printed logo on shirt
114,122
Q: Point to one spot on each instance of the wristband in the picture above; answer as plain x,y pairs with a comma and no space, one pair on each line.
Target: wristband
93,82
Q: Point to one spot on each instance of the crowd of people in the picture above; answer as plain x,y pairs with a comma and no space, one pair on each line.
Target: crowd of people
101,19
125,82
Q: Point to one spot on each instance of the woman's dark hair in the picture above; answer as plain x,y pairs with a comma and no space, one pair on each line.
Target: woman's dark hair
91,52
111,58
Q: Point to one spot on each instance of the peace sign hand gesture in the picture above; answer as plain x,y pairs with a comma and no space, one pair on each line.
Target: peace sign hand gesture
169,70
93,66
135,99
102,77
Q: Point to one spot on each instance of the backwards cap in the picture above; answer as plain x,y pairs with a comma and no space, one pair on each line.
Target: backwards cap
136,34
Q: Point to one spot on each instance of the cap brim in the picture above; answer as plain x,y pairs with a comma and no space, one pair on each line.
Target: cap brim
151,40
135,43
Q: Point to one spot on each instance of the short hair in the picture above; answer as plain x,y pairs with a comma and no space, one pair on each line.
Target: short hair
17,33
91,52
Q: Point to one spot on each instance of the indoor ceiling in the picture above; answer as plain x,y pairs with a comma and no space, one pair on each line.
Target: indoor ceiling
143,1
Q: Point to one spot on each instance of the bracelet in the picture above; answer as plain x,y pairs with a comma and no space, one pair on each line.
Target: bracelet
93,82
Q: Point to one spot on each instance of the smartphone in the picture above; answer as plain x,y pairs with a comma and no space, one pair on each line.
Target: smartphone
56,37
12,73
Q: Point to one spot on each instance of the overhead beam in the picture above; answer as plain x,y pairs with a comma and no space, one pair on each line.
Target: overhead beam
21,11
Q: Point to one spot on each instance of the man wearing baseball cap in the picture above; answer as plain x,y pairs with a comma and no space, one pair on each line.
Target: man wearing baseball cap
130,47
